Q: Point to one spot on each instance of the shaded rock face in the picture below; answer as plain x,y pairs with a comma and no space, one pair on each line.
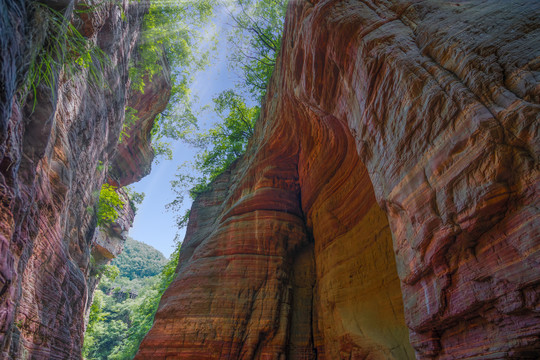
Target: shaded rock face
107,243
53,161
387,206
134,154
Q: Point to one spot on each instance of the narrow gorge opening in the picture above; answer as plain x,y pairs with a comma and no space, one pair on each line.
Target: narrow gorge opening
207,133
288,254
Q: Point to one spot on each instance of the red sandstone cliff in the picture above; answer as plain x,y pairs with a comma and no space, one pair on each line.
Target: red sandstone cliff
387,206
53,161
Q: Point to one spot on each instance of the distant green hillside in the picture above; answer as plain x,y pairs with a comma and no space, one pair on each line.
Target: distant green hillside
126,300
139,260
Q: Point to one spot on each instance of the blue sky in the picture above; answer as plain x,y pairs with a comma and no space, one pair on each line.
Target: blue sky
153,224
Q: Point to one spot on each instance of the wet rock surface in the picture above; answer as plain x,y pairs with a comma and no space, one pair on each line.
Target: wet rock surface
387,206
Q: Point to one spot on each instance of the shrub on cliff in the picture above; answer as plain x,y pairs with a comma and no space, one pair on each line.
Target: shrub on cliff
59,46
108,205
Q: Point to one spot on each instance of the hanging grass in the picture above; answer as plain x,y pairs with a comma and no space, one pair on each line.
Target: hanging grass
65,49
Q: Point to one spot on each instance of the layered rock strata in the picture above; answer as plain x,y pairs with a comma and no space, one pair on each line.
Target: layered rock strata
134,154
387,206
54,158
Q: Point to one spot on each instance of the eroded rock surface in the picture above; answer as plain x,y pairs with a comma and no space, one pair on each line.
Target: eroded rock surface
107,243
53,161
387,206
134,154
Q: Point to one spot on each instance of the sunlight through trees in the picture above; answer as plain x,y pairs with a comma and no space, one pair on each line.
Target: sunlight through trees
172,37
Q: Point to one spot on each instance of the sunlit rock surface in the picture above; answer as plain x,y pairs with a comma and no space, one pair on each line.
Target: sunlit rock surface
53,161
387,206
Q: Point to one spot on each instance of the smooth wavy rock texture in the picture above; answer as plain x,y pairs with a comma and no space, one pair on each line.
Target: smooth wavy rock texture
387,206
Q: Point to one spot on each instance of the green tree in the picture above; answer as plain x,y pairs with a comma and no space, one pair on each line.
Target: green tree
123,308
218,148
172,31
96,316
105,337
108,205
139,260
256,38
143,312
135,198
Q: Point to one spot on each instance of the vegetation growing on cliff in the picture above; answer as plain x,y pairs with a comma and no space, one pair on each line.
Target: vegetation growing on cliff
59,46
218,148
135,198
227,140
119,322
256,39
124,306
172,32
109,204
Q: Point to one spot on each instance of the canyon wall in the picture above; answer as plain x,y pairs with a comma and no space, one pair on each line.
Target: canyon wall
54,157
387,205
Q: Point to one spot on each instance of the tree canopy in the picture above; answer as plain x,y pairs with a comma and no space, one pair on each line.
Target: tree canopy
139,260
124,306
255,37
126,301
171,36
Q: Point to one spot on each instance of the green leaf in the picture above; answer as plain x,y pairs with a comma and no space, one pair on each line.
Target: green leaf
108,205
